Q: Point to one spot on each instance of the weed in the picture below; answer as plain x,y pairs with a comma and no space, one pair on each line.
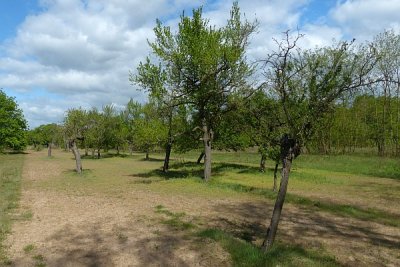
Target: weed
29,248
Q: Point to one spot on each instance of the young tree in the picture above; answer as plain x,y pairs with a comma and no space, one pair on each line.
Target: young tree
202,65
307,85
12,124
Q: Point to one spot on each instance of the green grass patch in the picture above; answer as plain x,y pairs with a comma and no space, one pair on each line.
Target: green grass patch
366,165
338,209
174,219
29,248
10,186
245,254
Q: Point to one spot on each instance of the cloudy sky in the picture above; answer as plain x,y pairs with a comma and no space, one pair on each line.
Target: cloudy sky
60,54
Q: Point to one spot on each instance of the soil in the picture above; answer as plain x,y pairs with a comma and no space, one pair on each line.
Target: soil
78,230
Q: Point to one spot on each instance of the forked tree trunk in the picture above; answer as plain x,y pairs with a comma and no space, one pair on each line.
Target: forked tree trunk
77,156
207,138
275,176
49,150
167,156
262,163
200,157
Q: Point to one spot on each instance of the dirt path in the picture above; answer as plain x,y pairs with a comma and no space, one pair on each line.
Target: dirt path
70,230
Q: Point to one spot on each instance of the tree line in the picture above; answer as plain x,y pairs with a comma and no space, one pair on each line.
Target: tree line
205,94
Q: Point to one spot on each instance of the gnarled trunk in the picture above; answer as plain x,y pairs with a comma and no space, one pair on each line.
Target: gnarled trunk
207,138
77,155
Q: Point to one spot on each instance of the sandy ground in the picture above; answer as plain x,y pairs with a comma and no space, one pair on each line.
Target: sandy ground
68,230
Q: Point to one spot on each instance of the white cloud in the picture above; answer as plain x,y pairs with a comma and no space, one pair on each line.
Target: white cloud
363,19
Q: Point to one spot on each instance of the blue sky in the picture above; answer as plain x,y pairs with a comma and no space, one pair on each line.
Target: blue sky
60,54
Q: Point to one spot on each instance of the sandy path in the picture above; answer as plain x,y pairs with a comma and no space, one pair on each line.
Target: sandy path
125,231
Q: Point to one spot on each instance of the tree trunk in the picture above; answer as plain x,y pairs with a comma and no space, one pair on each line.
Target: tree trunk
167,155
93,150
98,153
77,156
275,176
200,157
147,154
262,163
207,138
289,150
49,150
280,199
169,143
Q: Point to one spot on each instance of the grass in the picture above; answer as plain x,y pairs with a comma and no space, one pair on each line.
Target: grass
175,220
366,165
369,214
245,254
10,184
344,186
29,248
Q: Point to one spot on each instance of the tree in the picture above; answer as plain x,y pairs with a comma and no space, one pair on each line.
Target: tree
307,84
149,130
46,134
75,127
201,66
12,124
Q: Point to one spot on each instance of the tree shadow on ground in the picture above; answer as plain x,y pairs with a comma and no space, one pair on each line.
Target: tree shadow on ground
150,159
14,153
180,170
312,229
105,156
94,244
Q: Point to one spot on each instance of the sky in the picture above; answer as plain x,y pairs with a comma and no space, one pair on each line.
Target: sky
62,54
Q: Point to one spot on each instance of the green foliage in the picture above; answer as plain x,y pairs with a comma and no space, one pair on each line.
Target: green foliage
12,124
149,131
200,67
75,124
308,83
46,134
